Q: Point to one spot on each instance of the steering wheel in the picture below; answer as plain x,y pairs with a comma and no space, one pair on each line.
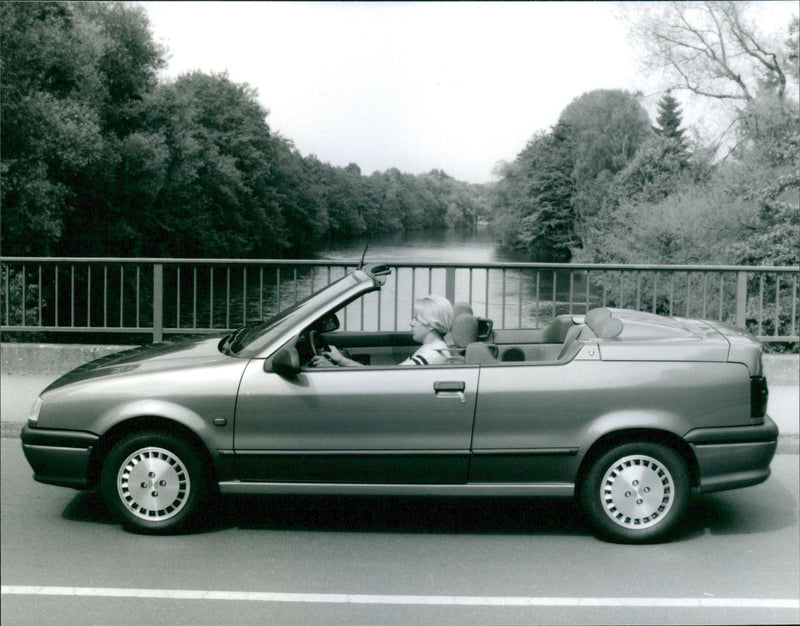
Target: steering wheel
318,343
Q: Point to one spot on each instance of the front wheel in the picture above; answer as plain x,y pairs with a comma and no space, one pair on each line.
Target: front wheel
636,493
154,482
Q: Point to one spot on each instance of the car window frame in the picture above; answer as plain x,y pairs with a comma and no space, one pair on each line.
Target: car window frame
301,315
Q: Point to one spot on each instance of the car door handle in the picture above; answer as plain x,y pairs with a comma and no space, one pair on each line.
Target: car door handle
449,385
450,389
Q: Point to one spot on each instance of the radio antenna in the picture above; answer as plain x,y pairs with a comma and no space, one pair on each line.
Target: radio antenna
364,254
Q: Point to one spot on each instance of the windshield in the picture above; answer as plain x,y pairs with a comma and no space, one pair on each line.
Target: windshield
249,341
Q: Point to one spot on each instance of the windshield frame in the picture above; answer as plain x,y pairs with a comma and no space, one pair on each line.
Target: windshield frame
263,339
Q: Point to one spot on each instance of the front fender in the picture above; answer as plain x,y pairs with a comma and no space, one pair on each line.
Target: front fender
215,436
202,399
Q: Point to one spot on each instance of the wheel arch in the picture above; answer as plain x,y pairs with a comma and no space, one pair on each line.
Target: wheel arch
148,423
630,435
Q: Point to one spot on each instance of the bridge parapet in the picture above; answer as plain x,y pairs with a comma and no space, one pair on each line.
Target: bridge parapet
159,297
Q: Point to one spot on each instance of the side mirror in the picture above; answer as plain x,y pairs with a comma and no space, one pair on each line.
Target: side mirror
328,324
285,363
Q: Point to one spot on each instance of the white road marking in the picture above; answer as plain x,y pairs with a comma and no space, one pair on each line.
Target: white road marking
347,598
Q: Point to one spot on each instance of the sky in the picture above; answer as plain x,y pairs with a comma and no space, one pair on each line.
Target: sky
413,85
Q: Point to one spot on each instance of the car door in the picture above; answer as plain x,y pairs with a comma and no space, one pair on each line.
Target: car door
398,424
531,420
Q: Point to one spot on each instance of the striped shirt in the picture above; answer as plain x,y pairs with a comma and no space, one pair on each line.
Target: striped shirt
434,353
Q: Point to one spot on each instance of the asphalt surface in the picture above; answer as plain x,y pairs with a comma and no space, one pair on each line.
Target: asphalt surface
327,560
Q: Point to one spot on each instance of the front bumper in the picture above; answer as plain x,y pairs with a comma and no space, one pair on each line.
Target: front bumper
59,457
730,458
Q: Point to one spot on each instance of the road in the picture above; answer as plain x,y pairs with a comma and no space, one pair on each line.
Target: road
379,560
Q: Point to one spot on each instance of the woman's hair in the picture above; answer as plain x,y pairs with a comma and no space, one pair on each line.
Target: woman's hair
435,312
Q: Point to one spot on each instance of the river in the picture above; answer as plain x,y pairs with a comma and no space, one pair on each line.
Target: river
506,295
513,298
425,246
509,297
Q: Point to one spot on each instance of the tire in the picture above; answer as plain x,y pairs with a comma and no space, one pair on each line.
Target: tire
154,483
636,493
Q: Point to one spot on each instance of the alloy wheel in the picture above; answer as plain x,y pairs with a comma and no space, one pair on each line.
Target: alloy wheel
637,491
153,484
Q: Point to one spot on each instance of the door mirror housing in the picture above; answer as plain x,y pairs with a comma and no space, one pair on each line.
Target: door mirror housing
285,363
327,324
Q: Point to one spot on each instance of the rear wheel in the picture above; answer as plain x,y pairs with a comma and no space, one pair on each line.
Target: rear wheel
636,493
154,482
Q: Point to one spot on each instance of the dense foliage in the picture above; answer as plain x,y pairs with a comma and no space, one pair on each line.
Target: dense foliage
604,185
100,158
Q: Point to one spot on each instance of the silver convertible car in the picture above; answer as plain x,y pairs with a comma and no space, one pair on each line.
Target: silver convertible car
629,413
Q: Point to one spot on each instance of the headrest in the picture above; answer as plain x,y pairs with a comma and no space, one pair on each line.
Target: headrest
461,307
608,328
603,324
596,315
479,352
464,330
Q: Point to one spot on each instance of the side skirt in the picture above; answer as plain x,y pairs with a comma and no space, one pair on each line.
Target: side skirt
566,490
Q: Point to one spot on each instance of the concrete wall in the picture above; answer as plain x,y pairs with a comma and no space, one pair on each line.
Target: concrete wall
782,369
30,358
48,358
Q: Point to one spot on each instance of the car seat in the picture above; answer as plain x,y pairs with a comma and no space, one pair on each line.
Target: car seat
465,343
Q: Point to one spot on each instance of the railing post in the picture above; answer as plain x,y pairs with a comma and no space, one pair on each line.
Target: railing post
741,299
158,302
450,284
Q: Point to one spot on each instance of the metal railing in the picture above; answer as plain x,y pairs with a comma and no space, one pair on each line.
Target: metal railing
193,296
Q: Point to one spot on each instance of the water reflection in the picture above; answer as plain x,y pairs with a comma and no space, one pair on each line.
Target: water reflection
228,297
445,246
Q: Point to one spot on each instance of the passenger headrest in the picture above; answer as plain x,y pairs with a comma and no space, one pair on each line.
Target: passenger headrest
596,315
461,307
608,328
464,330
485,326
479,352
603,324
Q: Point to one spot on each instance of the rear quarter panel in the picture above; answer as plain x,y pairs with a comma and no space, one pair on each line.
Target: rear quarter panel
557,411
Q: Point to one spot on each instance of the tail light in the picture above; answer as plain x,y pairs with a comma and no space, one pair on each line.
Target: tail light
759,394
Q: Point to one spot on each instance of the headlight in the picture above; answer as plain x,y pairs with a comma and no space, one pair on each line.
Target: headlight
33,418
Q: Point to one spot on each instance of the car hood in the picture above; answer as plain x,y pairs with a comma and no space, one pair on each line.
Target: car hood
155,357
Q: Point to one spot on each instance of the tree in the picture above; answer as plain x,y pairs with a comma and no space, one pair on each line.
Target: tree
563,178
74,75
344,197
669,122
218,196
793,49
534,201
128,60
766,166
715,51
653,173
548,230
711,49
300,196
608,128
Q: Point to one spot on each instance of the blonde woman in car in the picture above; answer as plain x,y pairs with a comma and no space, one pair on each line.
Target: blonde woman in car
433,316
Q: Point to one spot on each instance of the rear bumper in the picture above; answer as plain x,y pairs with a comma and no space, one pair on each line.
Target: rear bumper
59,457
730,458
